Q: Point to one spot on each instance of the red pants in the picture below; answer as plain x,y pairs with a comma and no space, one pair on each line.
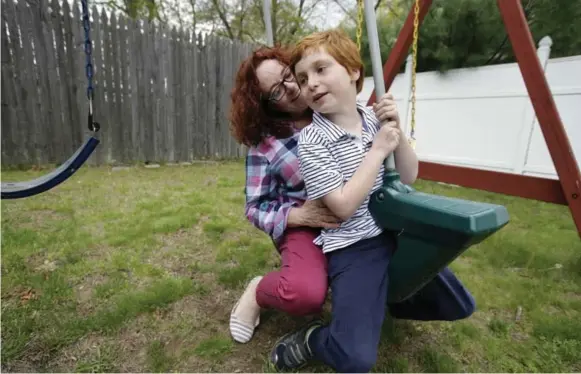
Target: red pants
300,286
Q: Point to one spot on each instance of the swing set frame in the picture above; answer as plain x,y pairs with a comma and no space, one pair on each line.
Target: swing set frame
567,189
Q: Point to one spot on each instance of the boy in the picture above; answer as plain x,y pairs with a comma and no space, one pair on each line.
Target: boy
341,157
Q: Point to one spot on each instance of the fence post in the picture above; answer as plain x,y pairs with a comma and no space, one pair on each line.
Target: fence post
529,118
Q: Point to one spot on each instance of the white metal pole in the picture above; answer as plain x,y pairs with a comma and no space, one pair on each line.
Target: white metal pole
376,65
268,22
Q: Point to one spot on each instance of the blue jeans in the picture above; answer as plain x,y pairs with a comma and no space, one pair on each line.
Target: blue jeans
358,277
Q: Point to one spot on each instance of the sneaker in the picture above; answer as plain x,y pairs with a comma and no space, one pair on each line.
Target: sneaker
292,351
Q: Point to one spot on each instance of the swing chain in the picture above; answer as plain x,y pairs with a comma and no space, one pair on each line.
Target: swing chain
359,23
93,126
414,66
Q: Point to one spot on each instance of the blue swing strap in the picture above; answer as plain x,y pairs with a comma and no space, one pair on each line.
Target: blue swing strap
17,190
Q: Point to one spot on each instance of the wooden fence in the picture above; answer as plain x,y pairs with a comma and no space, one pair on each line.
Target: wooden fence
161,95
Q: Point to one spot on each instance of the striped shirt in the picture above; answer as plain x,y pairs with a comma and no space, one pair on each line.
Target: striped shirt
328,158
273,184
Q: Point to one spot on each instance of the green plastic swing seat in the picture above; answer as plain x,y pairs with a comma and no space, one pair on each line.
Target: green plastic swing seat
434,230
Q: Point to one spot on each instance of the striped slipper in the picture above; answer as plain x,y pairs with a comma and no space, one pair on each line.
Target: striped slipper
242,330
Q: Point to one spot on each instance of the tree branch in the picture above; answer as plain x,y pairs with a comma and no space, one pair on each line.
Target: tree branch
222,16
299,18
346,11
194,18
247,33
114,5
244,10
496,55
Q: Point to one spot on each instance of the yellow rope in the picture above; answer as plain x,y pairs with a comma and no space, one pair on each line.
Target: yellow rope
412,139
359,23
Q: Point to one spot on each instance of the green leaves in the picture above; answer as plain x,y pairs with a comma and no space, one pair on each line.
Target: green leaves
467,33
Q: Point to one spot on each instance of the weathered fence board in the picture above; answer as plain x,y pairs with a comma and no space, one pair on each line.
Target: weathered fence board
72,65
52,99
8,106
160,94
79,76
58,124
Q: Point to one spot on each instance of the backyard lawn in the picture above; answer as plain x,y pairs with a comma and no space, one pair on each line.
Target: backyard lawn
137,269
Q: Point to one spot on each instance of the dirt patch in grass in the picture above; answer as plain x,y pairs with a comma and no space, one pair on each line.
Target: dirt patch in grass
183,327
85,292
185,253
99,253
18,296
573,295
42,218
39,262
133,343
86,349
19,366
190,335
32,358
96,229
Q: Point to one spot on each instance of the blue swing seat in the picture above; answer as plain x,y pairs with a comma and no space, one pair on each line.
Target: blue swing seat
18,190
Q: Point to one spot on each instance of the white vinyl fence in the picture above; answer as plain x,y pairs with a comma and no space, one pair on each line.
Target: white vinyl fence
483,117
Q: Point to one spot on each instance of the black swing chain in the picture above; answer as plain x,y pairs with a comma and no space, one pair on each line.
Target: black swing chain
93,126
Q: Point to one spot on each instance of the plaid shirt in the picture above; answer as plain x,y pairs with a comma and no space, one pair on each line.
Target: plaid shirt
273,184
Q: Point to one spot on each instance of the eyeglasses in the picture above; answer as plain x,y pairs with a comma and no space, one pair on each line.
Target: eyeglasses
279,90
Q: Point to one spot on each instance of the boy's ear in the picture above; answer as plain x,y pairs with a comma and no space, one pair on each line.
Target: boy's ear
355,74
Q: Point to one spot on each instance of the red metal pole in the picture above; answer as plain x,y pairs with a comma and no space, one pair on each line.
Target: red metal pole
402,45
531,69
535,188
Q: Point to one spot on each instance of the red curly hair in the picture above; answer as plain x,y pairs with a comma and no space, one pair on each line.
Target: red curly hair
251,117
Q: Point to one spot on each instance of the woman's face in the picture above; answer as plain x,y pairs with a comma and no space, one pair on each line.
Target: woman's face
280,88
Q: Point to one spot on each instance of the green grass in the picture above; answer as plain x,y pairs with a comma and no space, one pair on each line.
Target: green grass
138,269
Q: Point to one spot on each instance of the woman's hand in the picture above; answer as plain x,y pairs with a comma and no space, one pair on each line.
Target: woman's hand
313,213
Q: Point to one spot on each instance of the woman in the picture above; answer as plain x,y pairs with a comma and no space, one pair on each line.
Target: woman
267,113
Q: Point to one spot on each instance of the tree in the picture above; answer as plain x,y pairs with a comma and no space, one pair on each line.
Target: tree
232,19
244,19
134,9
390,15
465,33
